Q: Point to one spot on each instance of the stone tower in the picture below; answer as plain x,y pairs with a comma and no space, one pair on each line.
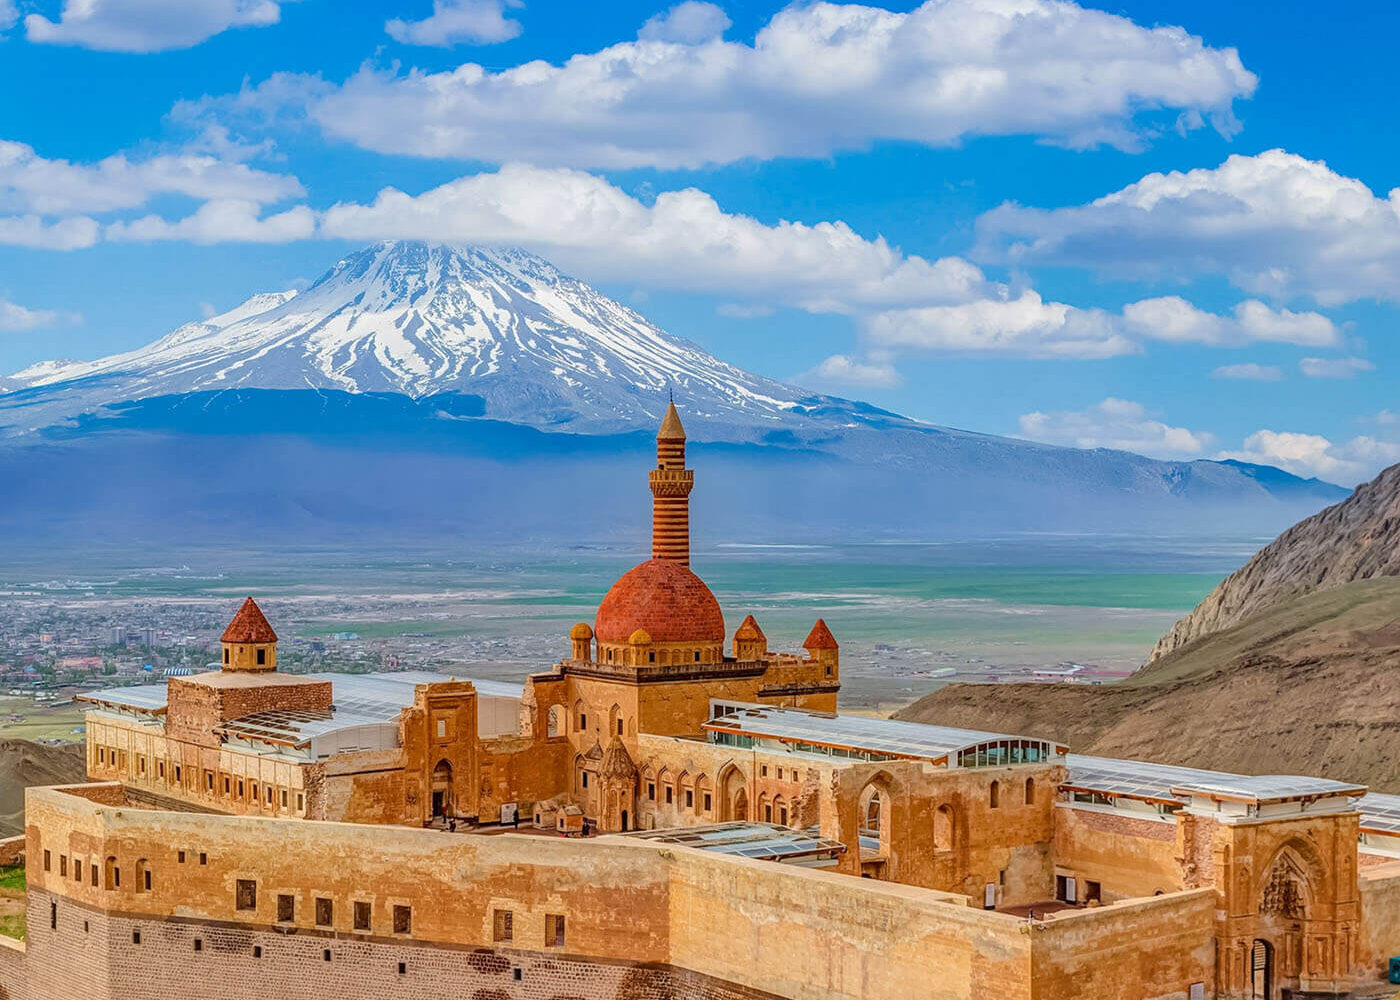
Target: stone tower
671,483
250,645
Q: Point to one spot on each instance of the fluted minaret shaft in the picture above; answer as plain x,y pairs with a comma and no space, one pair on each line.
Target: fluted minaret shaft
671,483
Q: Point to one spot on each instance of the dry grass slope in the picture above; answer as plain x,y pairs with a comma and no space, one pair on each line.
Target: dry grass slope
23,764
1307,685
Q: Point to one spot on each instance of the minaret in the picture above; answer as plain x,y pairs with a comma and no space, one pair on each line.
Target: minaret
671,483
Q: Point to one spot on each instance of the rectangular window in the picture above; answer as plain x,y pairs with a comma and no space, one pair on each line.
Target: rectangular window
269,795
48,860
323,911
554,930
77,870
178,774
101,755
669,794
209,780
160,770
140,764
689,799
257,951
146,876
286,908
198,944
203,858
262,657
780,774
284,798
763,771
253,793
135,937
651,791
246,894
403,968
300,802
240,788
442,729
226,784
180,857
403,919
504,925
53,916
92,870
707,801
585,779
362,914
63,865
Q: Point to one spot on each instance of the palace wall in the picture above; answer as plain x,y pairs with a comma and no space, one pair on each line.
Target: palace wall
1145,948
640,919
1128,856
1380,915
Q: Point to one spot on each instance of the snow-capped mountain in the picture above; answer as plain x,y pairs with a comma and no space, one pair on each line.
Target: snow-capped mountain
406,317
422,368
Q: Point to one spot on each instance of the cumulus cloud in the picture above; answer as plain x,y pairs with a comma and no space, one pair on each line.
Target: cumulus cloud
1025,326
817,79
1312,455
224,221
688,23
1334,367
1249,372
35,233
1173,318
148,25
9,15
1120,424
744,310
14,317
843,370
1274,224
30,182
682,240
458,22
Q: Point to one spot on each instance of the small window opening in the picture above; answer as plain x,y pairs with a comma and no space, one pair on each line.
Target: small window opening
403,919
362,915
554,930
246,894
503,926
323,912
286,908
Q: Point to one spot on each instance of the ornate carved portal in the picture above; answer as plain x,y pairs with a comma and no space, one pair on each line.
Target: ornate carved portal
1284,893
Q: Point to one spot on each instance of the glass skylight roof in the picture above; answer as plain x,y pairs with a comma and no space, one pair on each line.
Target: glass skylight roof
761,841
1380,813
144,698
1167,783
876,736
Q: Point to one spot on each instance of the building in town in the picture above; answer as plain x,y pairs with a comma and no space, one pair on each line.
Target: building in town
254,833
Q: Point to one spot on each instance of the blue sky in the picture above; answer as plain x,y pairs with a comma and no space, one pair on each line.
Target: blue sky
1087,226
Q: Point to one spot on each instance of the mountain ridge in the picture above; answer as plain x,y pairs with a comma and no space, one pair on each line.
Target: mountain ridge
447,345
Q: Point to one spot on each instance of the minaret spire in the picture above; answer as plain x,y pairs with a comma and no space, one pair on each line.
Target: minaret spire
671,483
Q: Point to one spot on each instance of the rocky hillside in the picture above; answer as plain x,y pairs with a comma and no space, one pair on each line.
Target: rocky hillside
1287,667
1306,686
23,764
1357,539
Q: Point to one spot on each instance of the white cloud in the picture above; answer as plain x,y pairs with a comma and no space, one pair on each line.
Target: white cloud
843,370
688,23
817,79
1334,367
1249,372
1312,455
224,221
1274,224
14,317
1120,424
1025,326
9,14
148,25
683,240
66,234
32,183
1172,318
458,22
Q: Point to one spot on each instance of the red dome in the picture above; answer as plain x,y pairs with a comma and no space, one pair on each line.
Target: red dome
667,600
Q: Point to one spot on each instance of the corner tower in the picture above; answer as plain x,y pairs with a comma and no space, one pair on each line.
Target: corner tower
250,645
671,483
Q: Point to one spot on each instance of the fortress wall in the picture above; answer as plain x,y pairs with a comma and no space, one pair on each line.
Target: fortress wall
814,935
642,920
1129,857
1148,948
1380,915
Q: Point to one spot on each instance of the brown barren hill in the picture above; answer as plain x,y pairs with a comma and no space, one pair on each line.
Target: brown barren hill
1289,666
1357,539
24,764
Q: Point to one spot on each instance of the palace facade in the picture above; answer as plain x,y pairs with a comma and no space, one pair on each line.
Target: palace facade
249,833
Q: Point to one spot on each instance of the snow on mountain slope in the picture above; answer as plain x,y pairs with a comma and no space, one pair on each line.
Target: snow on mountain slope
418,319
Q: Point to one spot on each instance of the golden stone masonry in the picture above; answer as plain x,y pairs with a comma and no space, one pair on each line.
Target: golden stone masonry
250,834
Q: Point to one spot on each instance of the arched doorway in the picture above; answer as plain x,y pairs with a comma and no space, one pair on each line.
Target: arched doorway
442,789
1261,970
